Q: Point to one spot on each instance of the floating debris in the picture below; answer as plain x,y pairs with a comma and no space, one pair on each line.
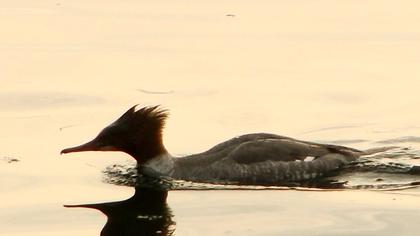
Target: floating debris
10,159
67,126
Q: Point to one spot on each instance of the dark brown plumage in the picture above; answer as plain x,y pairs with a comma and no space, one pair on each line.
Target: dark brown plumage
136,132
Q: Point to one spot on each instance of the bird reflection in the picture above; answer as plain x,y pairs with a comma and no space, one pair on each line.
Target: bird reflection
145,213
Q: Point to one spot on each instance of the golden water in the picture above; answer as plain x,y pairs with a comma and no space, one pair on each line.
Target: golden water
315,70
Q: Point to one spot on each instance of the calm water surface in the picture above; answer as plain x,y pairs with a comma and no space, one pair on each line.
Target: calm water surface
324,71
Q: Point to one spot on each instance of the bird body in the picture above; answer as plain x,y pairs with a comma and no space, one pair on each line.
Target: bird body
257,158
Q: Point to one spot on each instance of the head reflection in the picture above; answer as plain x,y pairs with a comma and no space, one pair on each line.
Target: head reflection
145,213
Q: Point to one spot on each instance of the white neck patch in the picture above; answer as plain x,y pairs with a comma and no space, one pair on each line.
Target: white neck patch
163,164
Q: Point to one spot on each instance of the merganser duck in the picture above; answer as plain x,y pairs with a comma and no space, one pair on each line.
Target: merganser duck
257,158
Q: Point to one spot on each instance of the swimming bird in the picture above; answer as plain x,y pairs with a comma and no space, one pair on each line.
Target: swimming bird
257,158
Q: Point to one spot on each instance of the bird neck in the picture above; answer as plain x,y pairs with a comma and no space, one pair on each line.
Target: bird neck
162,164
146,147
